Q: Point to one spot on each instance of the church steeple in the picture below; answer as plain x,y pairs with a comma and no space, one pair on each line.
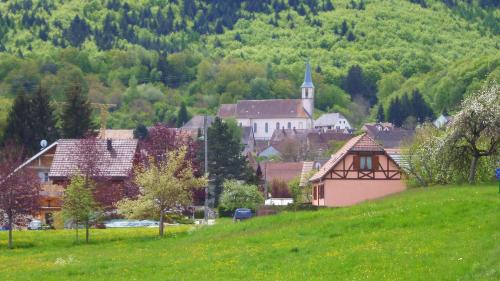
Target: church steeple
308,83
308,91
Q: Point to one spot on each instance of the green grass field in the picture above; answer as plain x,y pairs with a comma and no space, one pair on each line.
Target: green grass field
422,234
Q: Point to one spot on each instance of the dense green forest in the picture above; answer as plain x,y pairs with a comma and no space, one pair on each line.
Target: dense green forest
150,56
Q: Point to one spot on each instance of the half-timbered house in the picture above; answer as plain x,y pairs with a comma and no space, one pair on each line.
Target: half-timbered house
359,171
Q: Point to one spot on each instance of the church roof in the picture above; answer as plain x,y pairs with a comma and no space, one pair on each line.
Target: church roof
273,108
308,77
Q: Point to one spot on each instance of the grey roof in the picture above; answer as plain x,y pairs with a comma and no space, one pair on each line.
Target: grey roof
308,77
328,119
197,122
115,163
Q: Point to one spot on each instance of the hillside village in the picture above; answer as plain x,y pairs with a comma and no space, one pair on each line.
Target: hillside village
249,140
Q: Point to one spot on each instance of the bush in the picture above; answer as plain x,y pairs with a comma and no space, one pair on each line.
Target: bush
239,195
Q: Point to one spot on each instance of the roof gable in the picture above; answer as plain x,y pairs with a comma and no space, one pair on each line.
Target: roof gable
361,143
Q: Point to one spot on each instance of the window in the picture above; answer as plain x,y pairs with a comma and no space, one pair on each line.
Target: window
365,163
241,124
266,128
321,192
255,127
289,125
277,125
43,176
315,193
307,93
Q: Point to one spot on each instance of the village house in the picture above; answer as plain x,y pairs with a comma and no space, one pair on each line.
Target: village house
442,121
265,116
285,172
361,170
332,121
302,145
56,163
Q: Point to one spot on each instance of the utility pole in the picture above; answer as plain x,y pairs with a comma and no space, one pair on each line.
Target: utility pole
205,139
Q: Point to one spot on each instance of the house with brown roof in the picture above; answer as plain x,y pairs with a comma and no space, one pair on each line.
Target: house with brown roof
265,116
361,170
305,144
59,161
386,134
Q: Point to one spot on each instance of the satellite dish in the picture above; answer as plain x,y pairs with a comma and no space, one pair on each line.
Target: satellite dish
43,144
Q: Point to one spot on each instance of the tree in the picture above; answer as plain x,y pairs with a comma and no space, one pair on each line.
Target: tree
476,127
240,195
225,160
43,121
79,204
165,184
30,121
380,113
141,132
18,124
182,116
77,114
19,189
77,32
279,189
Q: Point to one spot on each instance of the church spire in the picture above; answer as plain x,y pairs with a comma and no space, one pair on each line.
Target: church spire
308,77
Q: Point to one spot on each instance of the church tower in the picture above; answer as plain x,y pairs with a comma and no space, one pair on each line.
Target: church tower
308,91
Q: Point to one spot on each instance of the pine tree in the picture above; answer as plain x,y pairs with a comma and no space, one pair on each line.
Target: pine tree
182,116
225,160
77,114
380,113
18,129
43,121
395,113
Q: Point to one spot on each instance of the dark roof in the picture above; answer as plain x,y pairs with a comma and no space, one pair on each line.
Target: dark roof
308,77
115,163
273,108
315,139
197,122
394,138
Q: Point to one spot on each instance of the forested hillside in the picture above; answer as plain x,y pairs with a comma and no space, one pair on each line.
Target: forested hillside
150,56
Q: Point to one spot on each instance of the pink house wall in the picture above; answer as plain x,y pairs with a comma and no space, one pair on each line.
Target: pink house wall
340,193
345,192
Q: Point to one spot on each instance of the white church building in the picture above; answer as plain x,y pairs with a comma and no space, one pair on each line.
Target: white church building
265,116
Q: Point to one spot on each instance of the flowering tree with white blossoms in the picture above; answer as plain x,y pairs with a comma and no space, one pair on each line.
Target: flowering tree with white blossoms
476,127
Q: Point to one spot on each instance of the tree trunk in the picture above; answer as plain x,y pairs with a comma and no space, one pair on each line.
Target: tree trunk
87,232
10,233
473,166
76,228
161,223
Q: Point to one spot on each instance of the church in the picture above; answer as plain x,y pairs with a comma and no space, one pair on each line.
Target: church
265,116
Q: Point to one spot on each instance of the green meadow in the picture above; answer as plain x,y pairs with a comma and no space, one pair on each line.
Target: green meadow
438,233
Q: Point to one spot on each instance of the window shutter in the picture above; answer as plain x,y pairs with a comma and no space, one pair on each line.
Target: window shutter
375,163
355,162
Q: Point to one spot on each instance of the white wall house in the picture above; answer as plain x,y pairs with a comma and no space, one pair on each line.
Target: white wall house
332,121
265,116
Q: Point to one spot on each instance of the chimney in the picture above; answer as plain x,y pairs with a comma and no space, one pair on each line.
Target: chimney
109,144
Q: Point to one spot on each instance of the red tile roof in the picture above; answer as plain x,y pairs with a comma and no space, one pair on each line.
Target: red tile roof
285,171
359,143
115,163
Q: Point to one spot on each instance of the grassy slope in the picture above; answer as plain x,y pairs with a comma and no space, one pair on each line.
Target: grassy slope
425,234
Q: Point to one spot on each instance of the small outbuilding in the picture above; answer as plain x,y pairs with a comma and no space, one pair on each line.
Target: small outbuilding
361,170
